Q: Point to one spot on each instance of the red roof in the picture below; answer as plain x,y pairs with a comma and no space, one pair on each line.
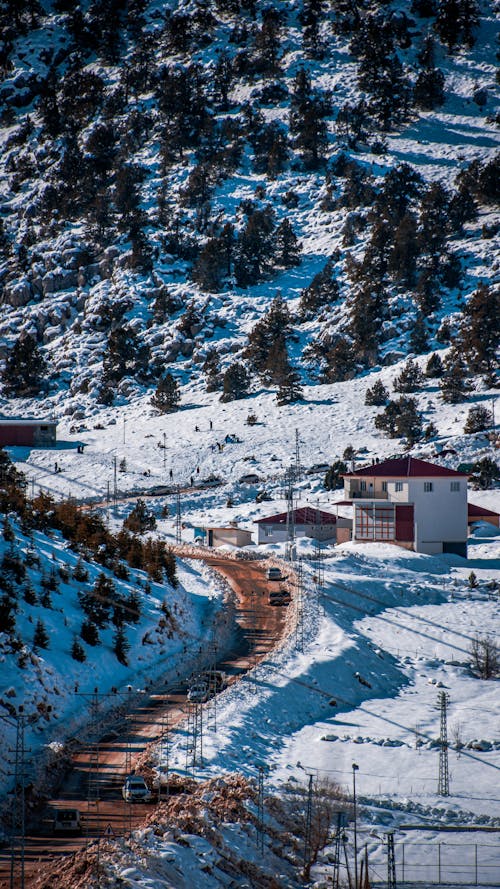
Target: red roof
305,515
473,510
405,467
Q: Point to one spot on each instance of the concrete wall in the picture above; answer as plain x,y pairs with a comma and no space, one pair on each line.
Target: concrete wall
440,514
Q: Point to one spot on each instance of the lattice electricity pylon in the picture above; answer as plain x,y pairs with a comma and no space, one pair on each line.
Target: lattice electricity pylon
93,773
19,802
260,810
194,741
299,606
178,524
211,677
165,751
319,567
444,778
340,837
391,862
290,514
298,465
308,825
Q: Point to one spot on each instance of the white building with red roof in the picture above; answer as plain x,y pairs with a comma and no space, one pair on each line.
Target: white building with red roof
409,502
307,522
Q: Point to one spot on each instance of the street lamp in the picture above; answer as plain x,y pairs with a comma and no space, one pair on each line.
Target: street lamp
354,770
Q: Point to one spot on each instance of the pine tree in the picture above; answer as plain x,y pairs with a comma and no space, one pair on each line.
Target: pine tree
479,334
454,384
287,245
308,110
125,356
334,476
456,22
288,379
410,379
401,419
40,636
121,646
478,419
89,632
78,651
167,395
236,382
140,519
378,394
211,369
25,368
434,366
322,291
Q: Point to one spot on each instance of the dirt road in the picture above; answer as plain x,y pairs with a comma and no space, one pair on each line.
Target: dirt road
94,784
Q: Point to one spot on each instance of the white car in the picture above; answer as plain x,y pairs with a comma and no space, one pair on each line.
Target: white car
135,790
198,693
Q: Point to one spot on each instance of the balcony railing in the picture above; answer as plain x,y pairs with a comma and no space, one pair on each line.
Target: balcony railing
369,494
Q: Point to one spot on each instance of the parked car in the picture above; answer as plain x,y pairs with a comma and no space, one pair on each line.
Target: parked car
67,821
317,467
280,597
199,692
274,574
135,790
250,478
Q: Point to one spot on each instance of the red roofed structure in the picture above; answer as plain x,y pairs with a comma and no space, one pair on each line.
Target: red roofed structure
481,514
307,522
413,503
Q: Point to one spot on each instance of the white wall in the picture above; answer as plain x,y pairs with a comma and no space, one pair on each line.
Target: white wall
440,514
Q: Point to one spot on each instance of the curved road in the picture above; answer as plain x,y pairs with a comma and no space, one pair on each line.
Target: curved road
261,626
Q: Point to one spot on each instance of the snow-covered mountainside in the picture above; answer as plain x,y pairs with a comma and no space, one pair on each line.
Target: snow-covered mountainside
235,236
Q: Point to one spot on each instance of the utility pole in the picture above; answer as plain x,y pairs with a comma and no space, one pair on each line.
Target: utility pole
355,768
298,465
115,484
178,526
290,517
444,779
19,802
308,825
260,810
164,451
391,862
299,605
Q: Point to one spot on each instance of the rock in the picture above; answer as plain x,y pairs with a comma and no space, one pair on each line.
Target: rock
19,294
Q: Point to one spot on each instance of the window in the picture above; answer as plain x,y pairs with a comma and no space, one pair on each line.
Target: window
454,486
427,487
362,486
384,524
384,486
374,523
398,486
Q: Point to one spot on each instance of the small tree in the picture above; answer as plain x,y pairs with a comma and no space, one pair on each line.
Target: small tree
167,396
121,646
140,520
410,379
377,395
401,419
40,636
434,366
89,632
25,368
78,651
485,659
484,473
236,382
333,477
478,419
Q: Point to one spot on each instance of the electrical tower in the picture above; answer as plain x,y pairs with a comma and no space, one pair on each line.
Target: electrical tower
260,810
290,514
391,862
93,772
19,801
308,825
178,526
298,465
444,779
299,600
194,740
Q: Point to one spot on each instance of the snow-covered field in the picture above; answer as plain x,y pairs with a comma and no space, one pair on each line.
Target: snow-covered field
387,632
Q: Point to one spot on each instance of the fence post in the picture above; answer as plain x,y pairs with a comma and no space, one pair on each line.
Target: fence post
475,864
439,862
403,863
